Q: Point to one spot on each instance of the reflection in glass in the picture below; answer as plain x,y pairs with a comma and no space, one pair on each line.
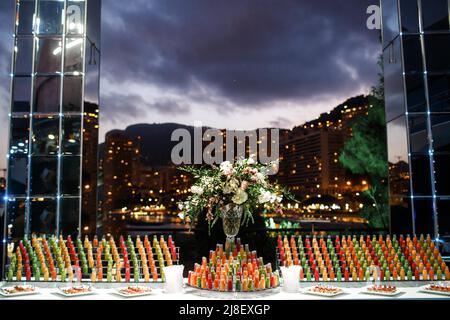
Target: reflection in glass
49,17
47,94
43,176
415,93
412,54
71,135
72,94
439,92
21,94
45,135
423,213
15,221
437,48
69,216
23,56
70,176
393,78
418,133
440,125
444,218
435,15
409,16
20,130
24,17
442,176
75,17
398,160
43,216
74,55
389,11
421,179
48,56
18,176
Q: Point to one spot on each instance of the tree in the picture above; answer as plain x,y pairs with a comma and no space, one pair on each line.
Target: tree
365,153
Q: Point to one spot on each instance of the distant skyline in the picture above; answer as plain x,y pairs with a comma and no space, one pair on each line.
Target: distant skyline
229,64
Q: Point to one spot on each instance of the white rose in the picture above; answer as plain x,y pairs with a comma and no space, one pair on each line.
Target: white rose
250,161
226,168
240,196
197,190
264,196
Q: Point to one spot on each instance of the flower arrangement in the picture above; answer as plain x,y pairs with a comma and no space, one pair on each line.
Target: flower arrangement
244,183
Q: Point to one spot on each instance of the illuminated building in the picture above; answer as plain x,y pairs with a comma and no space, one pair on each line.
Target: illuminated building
309,153
120,160
51,137
416,48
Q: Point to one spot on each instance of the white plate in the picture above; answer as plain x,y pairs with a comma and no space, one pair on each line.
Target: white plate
18,294
61,292
125,295
309,291
387,294
424,290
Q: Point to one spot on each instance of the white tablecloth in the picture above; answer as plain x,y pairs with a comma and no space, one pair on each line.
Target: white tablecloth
410,290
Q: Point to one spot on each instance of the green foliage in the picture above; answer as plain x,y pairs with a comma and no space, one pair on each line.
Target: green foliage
365,153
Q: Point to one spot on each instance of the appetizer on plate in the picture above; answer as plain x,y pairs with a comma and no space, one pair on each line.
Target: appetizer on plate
76,290
443,289
385,290
18,290
134,291
323,290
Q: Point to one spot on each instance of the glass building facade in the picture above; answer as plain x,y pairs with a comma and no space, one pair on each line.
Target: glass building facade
416,51
52,160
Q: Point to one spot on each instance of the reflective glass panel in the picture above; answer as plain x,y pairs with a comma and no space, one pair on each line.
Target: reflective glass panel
409,16
45,135
442,175
418,136
23,55
444,217
48,56
43,176
398,158
69,217
43,216
21,94
70,176
49,17
20,131
25,12
421,178
72,94
71,135
441,133
75,17
18,176
412,54
74,55
401,215
437,48
423,213
47,94
390,20
439,92
15,223
394,95
435,15
415,93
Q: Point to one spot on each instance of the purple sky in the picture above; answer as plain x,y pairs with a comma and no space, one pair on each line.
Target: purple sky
235,64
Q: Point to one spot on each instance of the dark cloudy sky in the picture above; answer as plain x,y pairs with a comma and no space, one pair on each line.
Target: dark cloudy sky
227,63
